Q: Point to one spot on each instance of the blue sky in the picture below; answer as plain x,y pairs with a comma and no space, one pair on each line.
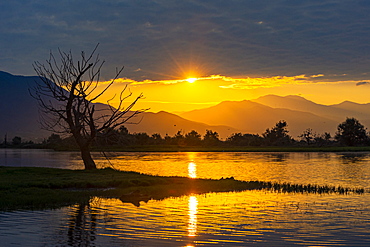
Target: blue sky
164,39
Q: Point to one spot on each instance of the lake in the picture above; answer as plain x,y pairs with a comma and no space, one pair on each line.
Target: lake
259,218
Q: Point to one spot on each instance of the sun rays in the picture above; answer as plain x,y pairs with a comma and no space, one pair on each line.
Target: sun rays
191,80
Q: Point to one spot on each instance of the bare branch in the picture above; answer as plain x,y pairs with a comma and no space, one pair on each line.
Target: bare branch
64,93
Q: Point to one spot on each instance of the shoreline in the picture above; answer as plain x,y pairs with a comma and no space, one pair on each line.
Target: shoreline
172,148
37,188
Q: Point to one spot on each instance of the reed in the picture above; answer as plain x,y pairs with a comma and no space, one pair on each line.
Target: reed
310,188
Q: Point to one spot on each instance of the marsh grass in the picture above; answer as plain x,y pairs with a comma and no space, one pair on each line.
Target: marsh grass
44,188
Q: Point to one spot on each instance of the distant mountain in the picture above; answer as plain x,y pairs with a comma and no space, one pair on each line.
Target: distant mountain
360,110
20,115
168,123
337,113
298,103
253,117
18,110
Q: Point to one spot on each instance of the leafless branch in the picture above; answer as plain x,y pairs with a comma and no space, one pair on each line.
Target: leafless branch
66,95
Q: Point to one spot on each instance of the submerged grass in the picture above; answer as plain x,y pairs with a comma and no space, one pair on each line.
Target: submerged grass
42,188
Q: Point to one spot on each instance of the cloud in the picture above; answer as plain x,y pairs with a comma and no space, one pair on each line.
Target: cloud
185,102
227,82
266,82
144,82
362,83
164,38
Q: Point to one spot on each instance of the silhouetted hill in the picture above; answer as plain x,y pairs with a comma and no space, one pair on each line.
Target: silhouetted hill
337,112
20,116
298,103
168,123
362,109
253,117
18,110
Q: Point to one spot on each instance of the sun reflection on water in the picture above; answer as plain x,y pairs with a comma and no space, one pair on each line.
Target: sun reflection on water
192,170
193,220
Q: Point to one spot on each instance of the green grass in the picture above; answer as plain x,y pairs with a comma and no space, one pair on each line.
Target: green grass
40,188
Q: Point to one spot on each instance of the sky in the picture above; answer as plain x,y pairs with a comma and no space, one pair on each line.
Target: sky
237,49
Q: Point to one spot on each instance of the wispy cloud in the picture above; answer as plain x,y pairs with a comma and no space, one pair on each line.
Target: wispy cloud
362,83
229,82
144,82
267,82
234,38
183,102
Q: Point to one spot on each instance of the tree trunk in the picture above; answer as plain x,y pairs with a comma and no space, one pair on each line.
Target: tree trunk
86,157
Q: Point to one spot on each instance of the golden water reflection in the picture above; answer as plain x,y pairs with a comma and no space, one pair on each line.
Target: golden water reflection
192,166
258,218
192,170
193,220
344,169
340,169
236,219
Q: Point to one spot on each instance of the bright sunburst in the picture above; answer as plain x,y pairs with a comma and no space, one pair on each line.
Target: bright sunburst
191,80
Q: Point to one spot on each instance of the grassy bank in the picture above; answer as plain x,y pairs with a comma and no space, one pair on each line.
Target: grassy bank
45,188
39,188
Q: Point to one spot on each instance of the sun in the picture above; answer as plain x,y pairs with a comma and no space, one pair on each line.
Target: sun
191,80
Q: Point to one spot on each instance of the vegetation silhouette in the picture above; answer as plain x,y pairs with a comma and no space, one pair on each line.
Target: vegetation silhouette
278,135
350,133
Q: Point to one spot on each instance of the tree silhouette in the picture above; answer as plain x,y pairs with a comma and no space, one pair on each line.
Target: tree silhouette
211,138
236,139
157,139
277,135
239,139
141,138
322,139
351,132
66,93
193,138
16,141
308,136
178,139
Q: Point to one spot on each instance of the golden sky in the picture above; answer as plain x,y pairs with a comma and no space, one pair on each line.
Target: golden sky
200,92
244,40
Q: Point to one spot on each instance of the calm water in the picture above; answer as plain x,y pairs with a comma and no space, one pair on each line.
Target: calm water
257,218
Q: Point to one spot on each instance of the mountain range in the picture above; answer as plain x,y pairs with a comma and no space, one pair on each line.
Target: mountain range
254,116
19,114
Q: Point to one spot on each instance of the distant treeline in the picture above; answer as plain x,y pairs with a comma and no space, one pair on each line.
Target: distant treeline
349,133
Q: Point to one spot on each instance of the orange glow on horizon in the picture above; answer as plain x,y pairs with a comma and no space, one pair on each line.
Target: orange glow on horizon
177,95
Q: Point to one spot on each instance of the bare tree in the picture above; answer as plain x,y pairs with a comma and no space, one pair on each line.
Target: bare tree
67,92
